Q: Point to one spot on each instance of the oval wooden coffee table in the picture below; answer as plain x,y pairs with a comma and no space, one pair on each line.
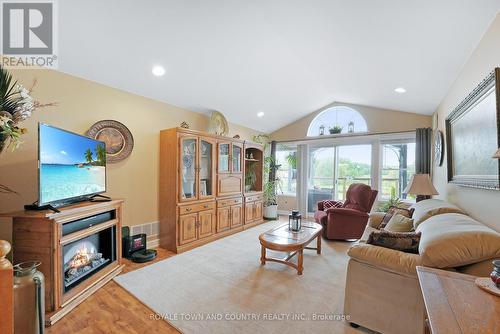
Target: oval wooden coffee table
283,240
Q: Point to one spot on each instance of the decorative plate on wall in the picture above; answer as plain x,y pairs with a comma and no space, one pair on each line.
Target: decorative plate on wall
218,124
118,138
438,148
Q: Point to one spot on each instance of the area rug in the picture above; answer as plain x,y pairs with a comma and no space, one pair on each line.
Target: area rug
222,288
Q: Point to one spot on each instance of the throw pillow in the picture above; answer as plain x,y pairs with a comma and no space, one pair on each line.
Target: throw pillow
404,242
331,204
399,223
392,211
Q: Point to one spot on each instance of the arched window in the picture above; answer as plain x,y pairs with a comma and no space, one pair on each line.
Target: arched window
344,119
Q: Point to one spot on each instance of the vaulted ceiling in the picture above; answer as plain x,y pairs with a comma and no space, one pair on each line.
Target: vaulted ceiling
284,58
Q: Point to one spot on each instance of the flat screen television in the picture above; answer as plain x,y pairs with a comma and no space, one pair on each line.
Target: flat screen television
71,167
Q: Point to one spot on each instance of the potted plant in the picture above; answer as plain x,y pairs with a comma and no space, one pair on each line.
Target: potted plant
270,200
393,201
335,130
16,105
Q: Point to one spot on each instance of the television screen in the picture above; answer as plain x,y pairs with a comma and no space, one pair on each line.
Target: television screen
71,166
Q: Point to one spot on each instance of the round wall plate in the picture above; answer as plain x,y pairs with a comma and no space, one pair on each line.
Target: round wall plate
438,148
218,124
118,138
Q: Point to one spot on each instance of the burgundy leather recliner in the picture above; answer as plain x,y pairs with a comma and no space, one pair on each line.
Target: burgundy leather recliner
349,219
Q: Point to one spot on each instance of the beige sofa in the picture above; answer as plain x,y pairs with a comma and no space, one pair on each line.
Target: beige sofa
382,291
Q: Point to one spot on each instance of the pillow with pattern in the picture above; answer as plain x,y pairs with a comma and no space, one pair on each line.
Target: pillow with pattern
402,241
328,204
394,210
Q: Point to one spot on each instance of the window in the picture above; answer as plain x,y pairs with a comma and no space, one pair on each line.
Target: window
320,183
332,169
286,158
354,166
398,166
348,119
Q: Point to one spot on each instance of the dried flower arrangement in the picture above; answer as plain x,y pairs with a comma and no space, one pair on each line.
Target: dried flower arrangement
16,105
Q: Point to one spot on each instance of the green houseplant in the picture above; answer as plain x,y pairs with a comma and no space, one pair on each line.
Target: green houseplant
392,201
335,130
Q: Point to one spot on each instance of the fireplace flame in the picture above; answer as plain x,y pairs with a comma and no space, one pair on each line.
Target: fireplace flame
81,258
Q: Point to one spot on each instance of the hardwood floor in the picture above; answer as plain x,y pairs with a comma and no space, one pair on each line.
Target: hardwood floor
113,310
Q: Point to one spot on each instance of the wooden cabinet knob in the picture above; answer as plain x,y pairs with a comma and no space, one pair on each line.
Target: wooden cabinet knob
188,209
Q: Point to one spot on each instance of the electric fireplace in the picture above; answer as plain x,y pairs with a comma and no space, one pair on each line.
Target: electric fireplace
85,257
79,249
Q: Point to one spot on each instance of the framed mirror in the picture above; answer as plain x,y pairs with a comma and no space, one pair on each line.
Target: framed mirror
472,136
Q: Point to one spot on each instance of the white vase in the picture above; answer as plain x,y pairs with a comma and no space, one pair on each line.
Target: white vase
271,212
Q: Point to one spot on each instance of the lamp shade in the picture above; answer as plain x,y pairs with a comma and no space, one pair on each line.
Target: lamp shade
421,184
496,155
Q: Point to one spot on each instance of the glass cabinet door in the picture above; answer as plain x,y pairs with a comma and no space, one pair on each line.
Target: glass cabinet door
188,153
224,157
206,168
236,158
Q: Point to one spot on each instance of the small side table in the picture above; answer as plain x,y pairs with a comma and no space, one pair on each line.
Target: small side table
455,304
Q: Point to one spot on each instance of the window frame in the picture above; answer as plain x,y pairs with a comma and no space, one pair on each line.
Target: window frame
332,109
282,192
404,138
375,139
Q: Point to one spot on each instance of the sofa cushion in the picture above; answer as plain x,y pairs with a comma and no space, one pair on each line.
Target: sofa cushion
376,219
399,223
395,210
453,240
389,259
425,209
405,242
367,232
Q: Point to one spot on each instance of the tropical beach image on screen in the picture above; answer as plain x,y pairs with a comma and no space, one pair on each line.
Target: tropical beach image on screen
70,165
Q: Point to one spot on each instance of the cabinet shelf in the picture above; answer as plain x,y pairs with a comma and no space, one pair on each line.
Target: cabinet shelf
251,160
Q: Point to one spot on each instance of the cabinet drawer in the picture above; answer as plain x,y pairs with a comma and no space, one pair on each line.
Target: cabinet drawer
185,209
253,198
229,201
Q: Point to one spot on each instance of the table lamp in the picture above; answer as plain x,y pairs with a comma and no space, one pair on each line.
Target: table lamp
421,185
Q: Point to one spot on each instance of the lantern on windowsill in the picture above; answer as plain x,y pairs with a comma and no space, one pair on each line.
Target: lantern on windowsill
321,130
350,127
294,221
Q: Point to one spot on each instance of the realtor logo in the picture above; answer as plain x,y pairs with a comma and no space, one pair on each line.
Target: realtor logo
28,32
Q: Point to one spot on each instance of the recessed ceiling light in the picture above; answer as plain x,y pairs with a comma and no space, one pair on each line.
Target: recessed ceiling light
400,90
260,114
158,70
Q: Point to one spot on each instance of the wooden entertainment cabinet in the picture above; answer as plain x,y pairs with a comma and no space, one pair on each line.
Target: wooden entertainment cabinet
203,195
50,237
